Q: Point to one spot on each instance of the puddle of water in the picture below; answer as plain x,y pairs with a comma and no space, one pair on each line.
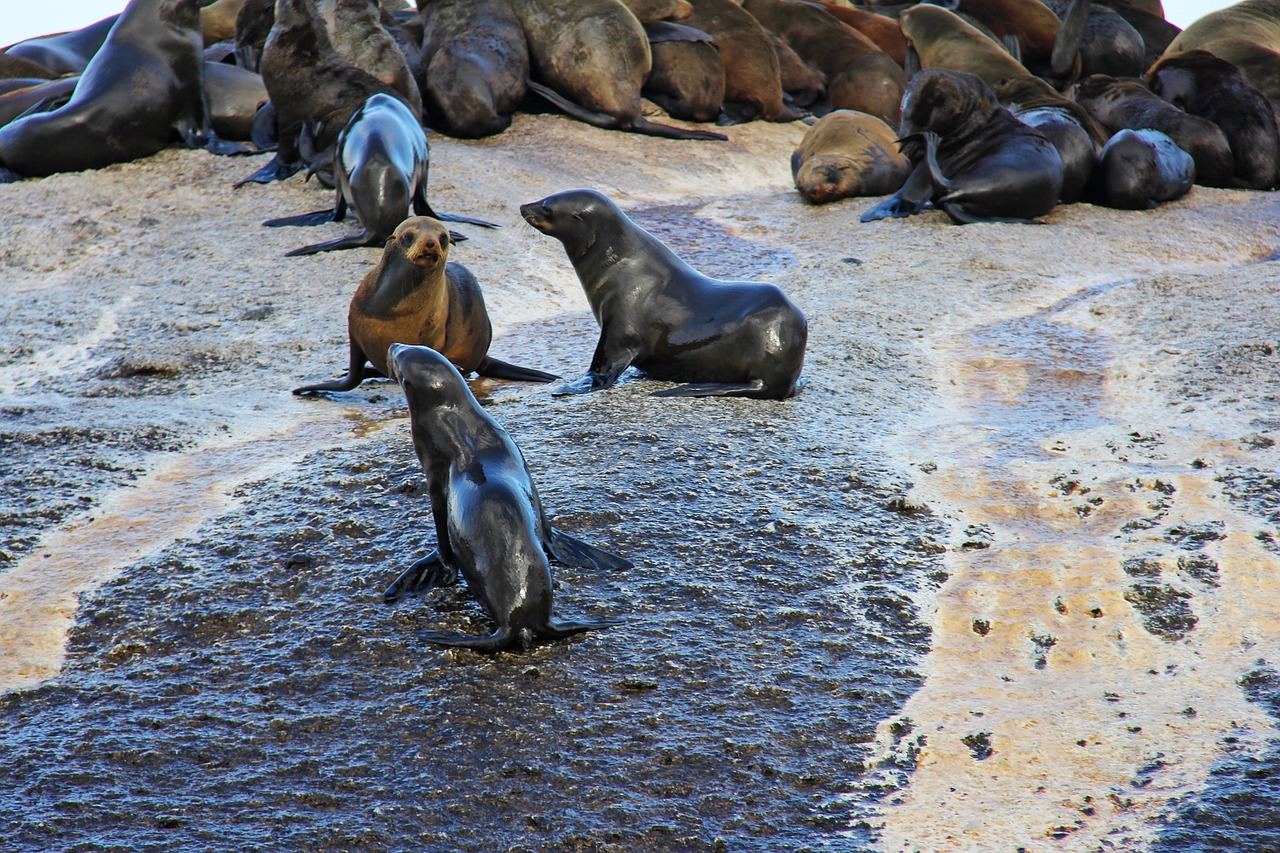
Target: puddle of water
709,247
1067,697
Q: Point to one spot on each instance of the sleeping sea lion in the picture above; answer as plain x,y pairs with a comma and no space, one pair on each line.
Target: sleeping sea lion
848,154
416,295
1138,169
490,525
882,30
687,79
1066,124
1246,34
942,39
728,339
752,77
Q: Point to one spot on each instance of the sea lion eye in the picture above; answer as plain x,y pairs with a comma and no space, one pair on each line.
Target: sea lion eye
406,239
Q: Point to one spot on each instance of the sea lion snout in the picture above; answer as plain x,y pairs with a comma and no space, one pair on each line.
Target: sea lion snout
537,214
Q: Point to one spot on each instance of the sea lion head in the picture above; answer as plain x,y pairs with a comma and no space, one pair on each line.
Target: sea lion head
422,241
827,178
427,377
949,103
564,214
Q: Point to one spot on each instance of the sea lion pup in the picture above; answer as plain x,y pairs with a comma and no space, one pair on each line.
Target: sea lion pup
978,163
474,65
848,154
490,526
687,79
859,75
1247,35
1066,124
310,86
416,295
1204,85
726,338
752,75
942,39
380,171
65,53
593,57
355,29
1138,169
1120,104
142,89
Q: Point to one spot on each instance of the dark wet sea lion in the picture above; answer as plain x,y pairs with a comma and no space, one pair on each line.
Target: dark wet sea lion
356,32
14,67
1247,35
253,26
235,95
1157,33
416,295
475,65
380,172
39,95
652,11
490,525
752,76
65,53
942,39
1109,44
738,339
592,58
882,30
1138,169
687,79
859,75
1127,104
310,86
803,84
1066,124
143,88
848,154
1207,86
977,162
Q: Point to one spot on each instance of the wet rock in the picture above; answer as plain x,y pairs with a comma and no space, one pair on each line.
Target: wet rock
1166,611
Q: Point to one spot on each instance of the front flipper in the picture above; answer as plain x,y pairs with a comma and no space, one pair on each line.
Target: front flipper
353,241
961,215
608,363
356,373
666,131
911,199
571,551
495,642
714,389
495,369
940,180
424,574
273,171
318,217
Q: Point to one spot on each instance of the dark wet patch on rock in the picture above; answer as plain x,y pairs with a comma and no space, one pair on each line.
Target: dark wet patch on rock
1200,567
708,247
1192,537
979,744
1166,611
1147,566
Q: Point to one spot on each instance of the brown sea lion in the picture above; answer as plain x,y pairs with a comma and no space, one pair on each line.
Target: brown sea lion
13,67
490,525
1120,104
801,82
416,295
590,58
882,30
941,39
40,95
474,65
253,26
687,79
652,11
1247,35
1066,124
859,75
235,95
848,154
218,20
752,76
356,32
1199,83
1029,22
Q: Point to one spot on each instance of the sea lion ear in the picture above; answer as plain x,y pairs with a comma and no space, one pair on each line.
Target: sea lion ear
577,215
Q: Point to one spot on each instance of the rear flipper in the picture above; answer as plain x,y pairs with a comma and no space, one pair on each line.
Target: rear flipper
422,207
425,574
357,371
609,122
318,217
495,369
273,171
571,551
560,630
353,241
960,215
714,389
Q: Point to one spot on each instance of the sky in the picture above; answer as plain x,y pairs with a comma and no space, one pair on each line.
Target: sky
23,20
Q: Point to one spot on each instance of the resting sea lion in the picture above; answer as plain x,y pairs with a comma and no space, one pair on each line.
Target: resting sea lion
475,65
848,154
415,295
253,25
882,30
752,77
143,88
355,29
490,525
593,57
687,79
1108,44
218,20
1138,169
1028,22
15,67
1204,85
803,84
235,95
1120,104
1246,34
729,339
978,163
37,96
942,39
65,53
1066,124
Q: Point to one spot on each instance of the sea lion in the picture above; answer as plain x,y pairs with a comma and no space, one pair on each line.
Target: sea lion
1247,35
942,39
1107,43
1207,86
848,154
416,295
978,163
687,79
380,171
235,95
1138,169
475,65
356,31
218,20
859,75
15,67
1157,33
143,88
37,96
311,87
1120,104
592,57
752,77
729,339
1066,124
253,25
490,525
65,53
652,11
1029,23
882,30
803,84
